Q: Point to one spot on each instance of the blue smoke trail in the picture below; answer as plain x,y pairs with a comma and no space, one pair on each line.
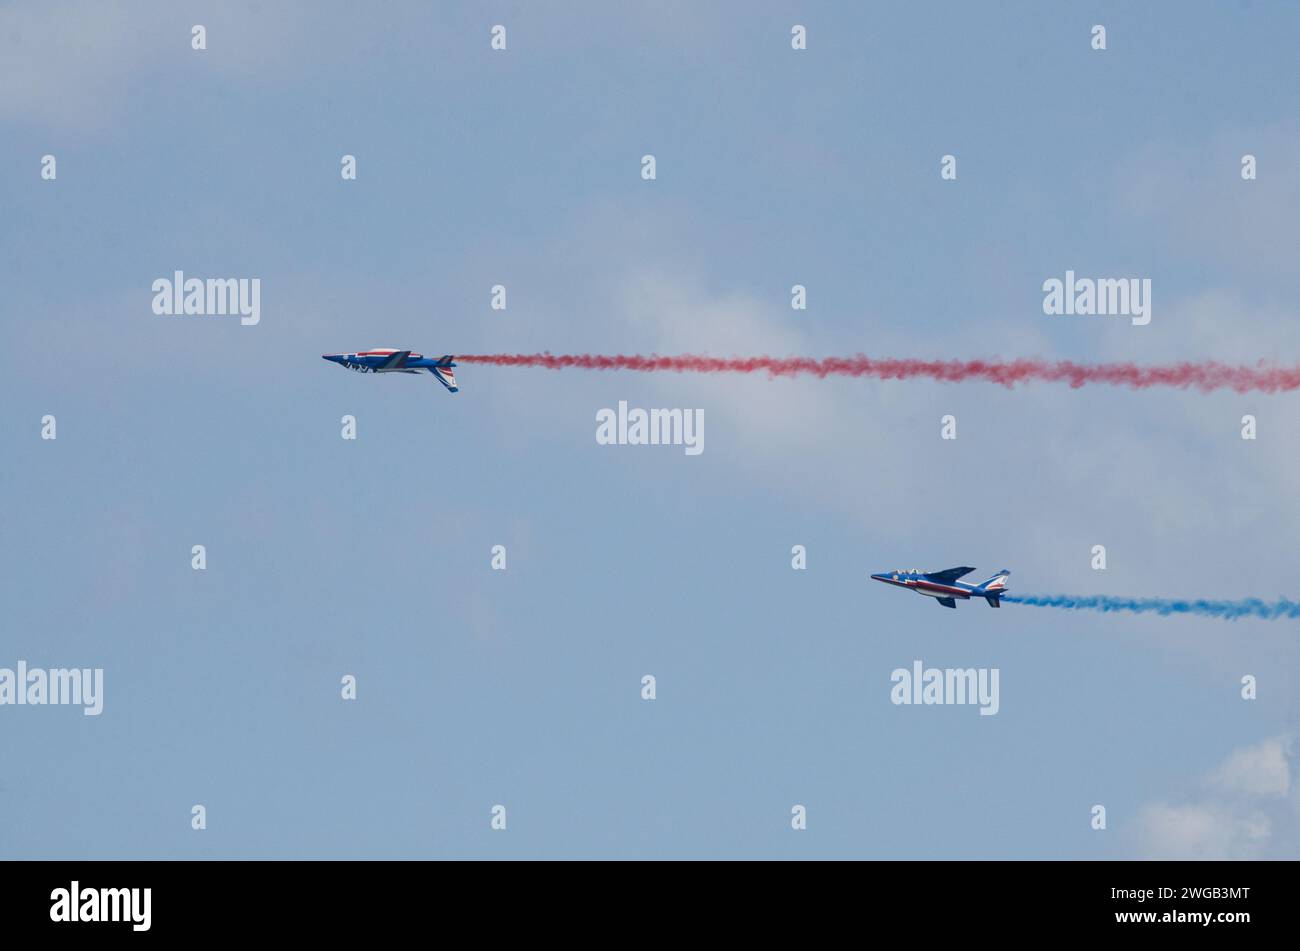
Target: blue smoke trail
1228,610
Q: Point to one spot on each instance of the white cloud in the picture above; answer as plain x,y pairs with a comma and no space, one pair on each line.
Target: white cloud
1241,811
1203,832
1262,770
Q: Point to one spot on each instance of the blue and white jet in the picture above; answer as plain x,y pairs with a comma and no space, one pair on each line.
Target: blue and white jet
944,586
386,360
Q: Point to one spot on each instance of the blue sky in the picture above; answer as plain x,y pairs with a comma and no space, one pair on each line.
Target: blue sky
372,558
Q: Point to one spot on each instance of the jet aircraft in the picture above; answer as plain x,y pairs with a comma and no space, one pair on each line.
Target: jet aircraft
387,360
944,586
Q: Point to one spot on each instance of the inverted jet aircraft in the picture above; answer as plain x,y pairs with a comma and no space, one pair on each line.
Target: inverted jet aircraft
386,360
944,586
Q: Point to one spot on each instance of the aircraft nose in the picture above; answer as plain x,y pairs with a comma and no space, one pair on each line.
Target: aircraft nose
879,577
332,357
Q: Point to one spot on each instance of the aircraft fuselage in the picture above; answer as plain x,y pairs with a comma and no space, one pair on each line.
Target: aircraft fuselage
387,360
944,586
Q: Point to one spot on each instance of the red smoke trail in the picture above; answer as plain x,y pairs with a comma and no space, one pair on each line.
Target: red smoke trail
1203,375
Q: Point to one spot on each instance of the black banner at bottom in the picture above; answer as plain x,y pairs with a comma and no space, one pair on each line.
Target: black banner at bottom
136,900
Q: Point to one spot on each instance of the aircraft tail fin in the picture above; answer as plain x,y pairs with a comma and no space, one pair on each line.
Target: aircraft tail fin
992,590
442,371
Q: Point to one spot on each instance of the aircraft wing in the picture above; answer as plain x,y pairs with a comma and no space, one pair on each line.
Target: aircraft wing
947,602
949,575
399,358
